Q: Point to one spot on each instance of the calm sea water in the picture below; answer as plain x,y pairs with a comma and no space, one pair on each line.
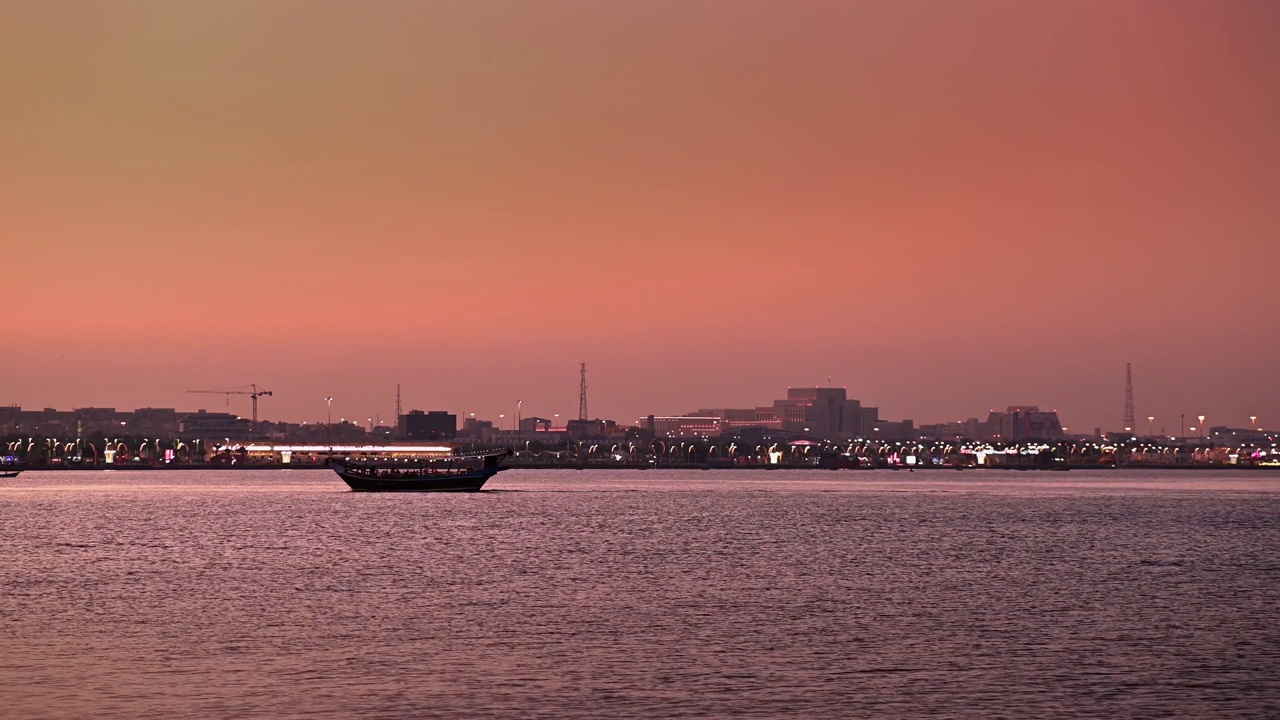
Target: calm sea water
659,594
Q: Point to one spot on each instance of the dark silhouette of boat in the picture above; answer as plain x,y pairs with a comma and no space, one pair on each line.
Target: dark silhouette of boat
8,473
452,473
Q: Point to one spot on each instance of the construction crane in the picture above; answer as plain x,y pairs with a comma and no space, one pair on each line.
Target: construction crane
252,391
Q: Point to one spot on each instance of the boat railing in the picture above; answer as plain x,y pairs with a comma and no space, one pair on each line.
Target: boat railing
410,469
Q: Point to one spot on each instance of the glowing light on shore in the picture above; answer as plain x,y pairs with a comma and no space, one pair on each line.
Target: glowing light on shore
351,449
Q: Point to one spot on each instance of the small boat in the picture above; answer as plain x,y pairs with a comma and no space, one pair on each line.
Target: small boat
451,473
9,472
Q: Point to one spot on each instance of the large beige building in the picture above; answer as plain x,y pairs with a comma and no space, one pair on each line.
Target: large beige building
822,412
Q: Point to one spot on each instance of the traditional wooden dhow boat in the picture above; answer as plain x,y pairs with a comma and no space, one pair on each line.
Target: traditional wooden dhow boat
464,472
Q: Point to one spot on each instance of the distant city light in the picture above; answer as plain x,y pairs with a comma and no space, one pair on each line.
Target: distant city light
300,449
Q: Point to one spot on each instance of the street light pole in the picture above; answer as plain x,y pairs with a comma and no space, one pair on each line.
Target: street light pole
1201,425
1151,419
329,423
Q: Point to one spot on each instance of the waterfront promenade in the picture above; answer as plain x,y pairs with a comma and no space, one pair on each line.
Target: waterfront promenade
710,453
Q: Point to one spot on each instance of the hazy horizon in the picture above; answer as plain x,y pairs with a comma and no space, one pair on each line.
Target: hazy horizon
944,207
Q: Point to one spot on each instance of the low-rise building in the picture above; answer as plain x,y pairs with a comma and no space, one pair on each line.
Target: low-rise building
534,425
432,425
682,426
204,424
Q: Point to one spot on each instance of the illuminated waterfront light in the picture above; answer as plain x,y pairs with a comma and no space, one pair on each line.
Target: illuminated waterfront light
391,450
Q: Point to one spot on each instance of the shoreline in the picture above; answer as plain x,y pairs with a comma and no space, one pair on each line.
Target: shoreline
668,466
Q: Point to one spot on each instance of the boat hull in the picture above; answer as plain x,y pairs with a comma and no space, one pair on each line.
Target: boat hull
468,482
4,474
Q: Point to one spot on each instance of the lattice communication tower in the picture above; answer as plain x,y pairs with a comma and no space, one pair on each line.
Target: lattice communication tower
582,392
1128,397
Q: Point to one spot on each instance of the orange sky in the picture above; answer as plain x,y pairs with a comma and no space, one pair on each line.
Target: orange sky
945,206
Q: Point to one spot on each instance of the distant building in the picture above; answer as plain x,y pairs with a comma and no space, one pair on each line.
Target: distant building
476,428
826,412
90,422
685,426
708,422
893,430
1023,422
154,421
1223,433
971,429
809,411
203,424
345,431
534,425
10,419
867,419
590,429
94,421
733,418
433,425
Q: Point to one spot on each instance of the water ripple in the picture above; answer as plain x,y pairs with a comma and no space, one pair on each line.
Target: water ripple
575,595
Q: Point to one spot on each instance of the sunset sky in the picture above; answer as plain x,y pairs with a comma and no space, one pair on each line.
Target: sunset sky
944,206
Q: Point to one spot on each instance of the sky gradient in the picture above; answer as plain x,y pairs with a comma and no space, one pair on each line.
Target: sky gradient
944,206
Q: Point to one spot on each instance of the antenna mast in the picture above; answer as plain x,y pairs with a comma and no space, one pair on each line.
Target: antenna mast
1128,397
398,410
582,392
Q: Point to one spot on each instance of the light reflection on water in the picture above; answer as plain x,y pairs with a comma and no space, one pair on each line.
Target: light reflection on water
658,593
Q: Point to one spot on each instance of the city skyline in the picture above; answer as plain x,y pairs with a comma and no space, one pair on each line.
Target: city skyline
237,402
639,358
946,207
